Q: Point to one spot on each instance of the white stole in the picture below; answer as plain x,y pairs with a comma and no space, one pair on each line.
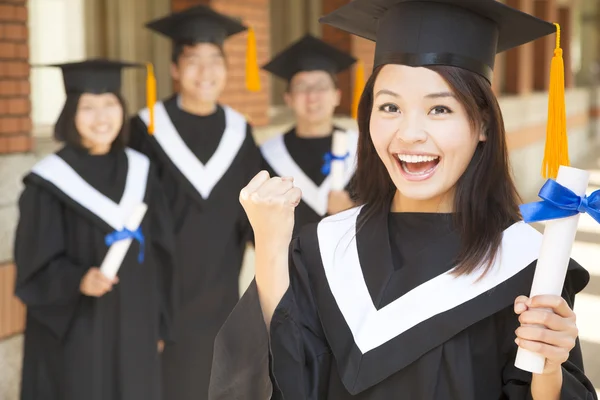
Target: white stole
56,171
371,327
203,177
316,197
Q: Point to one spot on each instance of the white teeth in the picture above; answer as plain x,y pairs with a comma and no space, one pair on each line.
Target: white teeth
411,158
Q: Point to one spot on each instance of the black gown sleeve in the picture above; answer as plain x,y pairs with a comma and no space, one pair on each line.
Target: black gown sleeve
47,280
293,362
254,164
163,239
517,383
137,134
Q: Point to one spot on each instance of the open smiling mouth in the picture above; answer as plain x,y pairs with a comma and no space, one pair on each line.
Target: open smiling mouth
418,166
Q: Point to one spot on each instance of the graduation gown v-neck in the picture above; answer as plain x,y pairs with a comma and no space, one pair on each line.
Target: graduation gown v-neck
203,163
374,314
79,347
303,159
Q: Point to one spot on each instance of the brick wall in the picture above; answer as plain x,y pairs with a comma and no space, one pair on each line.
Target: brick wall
179,5
342,41
364,50
15,138
360,48
254,13
15,123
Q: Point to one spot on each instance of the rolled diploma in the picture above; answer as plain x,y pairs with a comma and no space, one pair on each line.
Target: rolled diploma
551,269
339,148
117,251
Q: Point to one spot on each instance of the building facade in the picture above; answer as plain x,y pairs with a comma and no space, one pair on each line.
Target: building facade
45,31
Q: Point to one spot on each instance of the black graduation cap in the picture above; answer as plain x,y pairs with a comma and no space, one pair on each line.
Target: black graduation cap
197,24
309,54
461,33
94,75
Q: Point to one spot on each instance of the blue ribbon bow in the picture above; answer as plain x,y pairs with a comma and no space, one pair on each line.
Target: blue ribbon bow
125,233
560,202
329,157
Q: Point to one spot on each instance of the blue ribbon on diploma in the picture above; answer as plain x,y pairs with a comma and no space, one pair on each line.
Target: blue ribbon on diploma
124,234
329,157
560,202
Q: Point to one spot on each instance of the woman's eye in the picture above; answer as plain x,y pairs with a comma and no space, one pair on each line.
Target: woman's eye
389,108
440,110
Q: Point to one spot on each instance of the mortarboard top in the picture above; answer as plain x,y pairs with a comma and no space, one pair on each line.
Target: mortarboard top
461,33
93,76
309,54
197,24
98,76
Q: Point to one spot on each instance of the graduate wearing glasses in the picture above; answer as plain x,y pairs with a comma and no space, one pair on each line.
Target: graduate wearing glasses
310,67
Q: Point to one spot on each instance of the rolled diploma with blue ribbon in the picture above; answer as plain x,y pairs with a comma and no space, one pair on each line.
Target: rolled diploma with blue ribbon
117,251
552,264
339,148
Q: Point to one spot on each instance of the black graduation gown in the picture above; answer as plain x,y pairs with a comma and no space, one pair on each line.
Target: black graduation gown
202,177
303,158
364,319
79,347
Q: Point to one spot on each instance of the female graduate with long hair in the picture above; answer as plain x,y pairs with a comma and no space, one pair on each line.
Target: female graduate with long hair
418,293
88,336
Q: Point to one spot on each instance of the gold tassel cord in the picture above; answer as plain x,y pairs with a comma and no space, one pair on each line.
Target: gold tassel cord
556,152
150,95
359,84
252,70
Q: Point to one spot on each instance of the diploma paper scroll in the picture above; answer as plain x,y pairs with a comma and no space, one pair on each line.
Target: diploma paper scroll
117,251
552,264
339,149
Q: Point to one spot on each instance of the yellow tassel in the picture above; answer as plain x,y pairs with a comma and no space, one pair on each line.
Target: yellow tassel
359,84
150,95
556,152
252,70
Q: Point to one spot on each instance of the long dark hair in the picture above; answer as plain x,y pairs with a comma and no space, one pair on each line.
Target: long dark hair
486,200
66,131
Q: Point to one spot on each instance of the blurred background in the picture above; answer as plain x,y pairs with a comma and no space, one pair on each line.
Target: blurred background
47,31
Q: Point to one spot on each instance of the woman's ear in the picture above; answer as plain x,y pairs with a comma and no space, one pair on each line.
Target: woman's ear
483,133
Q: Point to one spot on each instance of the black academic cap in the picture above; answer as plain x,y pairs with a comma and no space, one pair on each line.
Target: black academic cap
197,24
461,33
94,75
309,54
